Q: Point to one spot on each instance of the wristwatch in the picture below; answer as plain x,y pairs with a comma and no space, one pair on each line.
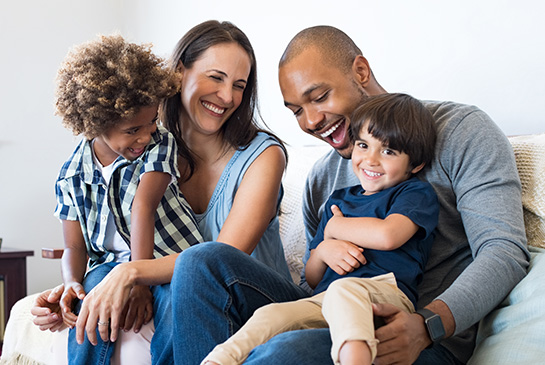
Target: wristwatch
434,325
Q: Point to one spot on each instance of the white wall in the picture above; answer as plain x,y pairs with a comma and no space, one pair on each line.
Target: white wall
488,53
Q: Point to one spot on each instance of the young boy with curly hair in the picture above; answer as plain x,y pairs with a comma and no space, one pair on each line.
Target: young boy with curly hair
117,195
372,243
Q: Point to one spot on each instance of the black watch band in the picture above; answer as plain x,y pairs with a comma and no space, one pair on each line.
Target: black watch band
434,325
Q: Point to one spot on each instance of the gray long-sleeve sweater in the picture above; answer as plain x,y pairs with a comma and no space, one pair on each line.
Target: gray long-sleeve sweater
479,253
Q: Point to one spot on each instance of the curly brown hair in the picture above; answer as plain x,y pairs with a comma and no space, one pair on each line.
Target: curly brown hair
100,82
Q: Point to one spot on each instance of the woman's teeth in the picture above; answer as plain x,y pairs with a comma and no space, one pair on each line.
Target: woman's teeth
213,108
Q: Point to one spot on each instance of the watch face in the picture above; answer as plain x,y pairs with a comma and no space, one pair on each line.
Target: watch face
435,327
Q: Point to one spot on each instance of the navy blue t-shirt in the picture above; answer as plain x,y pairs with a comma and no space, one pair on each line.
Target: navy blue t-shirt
412,198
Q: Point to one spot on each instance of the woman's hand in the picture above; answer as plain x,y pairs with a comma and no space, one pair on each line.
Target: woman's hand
104,304
138,310
47,311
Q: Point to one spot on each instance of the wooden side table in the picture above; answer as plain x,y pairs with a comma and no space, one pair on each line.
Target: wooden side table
13,273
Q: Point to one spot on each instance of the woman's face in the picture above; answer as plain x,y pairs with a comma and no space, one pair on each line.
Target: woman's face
212,88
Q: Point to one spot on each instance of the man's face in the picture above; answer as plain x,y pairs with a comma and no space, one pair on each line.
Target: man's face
321,97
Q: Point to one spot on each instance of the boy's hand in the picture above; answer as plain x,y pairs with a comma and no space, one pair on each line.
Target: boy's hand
72,291
341,256
47,311
332,221
138,310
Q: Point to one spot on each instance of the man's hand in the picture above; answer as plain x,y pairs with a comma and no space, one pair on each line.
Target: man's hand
138,310
402,338
47,311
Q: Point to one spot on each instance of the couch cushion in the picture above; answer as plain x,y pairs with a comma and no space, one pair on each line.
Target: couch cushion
292,229
530,155
513,333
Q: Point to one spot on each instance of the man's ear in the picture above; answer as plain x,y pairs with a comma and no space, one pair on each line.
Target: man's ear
418,168
362,71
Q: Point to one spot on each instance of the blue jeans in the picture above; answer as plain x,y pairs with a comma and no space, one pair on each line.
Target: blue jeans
100,354
314,347
86,353
215,290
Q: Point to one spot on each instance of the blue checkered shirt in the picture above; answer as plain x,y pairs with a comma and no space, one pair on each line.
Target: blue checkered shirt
82,194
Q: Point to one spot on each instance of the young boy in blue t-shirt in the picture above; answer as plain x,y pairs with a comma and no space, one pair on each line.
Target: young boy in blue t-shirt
117,195
372,243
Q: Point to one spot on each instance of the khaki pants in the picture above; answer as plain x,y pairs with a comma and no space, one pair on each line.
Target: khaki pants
345,307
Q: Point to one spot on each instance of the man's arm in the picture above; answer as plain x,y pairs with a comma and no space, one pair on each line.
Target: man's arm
476,180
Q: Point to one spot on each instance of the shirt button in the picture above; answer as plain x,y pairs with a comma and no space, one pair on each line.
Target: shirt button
104,218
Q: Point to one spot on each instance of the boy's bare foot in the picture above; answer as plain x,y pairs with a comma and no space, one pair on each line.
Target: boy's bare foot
355,352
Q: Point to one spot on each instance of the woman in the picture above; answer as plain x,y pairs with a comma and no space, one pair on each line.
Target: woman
231,176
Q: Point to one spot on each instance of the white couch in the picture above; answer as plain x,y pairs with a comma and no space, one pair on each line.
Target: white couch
513,333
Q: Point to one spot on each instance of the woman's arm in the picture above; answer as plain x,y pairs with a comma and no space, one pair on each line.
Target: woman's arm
255,203
374,233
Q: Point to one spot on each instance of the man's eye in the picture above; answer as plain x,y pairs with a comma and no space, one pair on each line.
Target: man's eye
322,97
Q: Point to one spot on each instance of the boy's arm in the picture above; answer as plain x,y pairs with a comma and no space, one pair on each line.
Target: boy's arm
149,193
341,256
367,232
73,265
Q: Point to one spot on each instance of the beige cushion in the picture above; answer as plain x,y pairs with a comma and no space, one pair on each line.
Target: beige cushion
530,155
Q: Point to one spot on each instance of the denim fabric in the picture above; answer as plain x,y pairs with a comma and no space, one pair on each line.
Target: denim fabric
86,353
313,347
161,342
215,289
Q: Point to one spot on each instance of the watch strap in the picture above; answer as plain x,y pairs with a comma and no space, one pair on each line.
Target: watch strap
434,325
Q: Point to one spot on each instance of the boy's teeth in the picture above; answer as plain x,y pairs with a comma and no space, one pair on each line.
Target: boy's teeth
371,173
330,130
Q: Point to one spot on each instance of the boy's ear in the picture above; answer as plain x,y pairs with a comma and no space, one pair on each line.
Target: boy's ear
418,168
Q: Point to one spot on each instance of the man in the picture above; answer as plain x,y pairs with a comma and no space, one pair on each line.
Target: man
478,256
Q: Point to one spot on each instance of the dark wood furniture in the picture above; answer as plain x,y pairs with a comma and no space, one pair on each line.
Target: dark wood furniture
13,273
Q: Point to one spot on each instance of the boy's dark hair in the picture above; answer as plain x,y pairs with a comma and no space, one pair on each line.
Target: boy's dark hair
103,81
399,121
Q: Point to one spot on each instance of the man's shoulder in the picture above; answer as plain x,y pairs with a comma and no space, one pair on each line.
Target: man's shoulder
331,171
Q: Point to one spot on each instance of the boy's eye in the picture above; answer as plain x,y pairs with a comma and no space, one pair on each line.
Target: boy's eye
389,152
361,145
